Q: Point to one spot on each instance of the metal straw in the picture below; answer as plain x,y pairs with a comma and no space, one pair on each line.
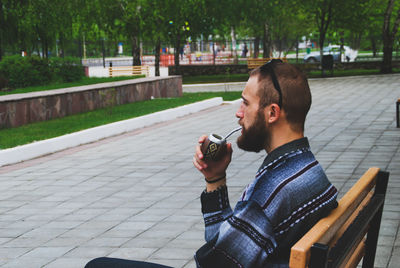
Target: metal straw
233,131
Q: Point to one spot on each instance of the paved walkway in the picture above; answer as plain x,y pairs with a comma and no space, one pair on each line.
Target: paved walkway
137,195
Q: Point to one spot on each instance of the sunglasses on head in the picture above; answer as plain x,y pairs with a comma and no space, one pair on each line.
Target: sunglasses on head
269,68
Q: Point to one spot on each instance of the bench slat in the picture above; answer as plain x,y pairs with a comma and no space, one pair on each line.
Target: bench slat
356,231
129,70
344,227
327,227
356,257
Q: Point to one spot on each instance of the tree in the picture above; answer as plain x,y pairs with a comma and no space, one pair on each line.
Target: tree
155,28
41,16
389,34
211,22
323,15
123,17
254,16
131,17
287,25
9,10
234,11
184,19
357,20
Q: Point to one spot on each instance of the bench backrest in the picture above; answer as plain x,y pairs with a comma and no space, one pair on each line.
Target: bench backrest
339,239
128,70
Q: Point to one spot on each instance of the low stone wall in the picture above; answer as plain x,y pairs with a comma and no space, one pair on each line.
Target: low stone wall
21,109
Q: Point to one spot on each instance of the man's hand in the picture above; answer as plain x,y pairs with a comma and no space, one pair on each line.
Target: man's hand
212,170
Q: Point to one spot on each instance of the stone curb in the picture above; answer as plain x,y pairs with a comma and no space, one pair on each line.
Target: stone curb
49,146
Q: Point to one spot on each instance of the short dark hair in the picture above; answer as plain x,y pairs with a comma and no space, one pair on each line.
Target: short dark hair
296,94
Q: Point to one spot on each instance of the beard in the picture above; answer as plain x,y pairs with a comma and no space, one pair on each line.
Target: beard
256,137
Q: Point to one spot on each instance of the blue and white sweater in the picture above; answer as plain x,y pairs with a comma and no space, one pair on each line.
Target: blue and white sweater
289,194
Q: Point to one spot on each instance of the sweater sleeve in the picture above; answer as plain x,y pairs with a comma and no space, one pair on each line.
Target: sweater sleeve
240,238
216,209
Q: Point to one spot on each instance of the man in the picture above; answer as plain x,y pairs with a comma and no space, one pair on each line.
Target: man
290,192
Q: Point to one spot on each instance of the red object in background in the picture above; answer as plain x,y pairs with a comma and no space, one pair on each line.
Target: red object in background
167,60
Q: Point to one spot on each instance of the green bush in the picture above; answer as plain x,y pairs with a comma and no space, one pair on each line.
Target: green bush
67,69
19,72
43,74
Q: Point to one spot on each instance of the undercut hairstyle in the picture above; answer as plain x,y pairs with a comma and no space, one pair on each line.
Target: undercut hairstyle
296,94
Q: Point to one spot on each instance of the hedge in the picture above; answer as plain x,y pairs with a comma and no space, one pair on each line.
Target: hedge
19,72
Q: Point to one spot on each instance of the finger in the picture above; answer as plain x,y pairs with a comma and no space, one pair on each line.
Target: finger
199,164
199,158
196,164
198,152
202,138
229,147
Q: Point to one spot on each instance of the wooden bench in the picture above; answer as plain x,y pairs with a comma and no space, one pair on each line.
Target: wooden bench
350,232
398,113
254,63
128,70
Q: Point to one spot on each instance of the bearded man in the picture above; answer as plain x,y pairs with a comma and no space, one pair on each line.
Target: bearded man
290,192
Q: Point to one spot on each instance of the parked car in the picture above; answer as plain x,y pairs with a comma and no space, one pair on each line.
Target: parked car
347,55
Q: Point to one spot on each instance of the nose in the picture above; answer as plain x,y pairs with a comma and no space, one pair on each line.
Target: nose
239,112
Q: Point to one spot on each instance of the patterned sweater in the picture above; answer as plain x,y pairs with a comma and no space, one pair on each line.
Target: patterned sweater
289,194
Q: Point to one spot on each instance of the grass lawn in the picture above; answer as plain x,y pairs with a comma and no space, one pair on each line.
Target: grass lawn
12,137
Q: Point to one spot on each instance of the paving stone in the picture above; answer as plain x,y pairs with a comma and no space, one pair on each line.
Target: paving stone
31,242
28,262
68,262
88,252
139,253
173,253
47,252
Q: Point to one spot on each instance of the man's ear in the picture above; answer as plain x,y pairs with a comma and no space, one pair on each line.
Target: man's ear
274,112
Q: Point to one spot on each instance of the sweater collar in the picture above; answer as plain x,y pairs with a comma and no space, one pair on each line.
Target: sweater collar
295,145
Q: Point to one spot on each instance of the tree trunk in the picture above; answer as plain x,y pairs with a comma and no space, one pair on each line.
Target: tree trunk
321,42
61,49
1,33
323,20
80,52
136,51
45,48
256,47
373,46
1,23
214,54
157,60
388,37
177,49
387,57
266,42
234,51
38,49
